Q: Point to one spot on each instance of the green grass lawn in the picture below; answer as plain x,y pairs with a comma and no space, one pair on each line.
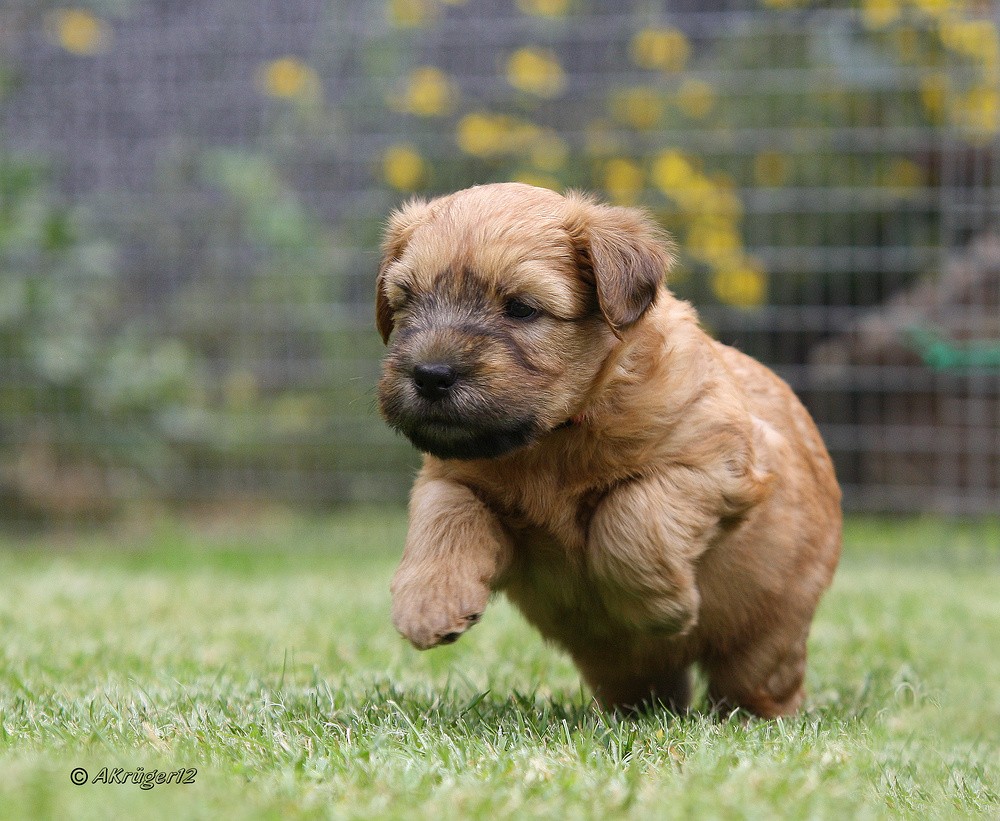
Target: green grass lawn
261,656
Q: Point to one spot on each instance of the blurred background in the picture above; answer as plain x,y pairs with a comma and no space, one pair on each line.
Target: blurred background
191,195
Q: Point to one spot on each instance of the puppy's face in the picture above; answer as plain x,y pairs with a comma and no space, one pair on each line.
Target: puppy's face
501,303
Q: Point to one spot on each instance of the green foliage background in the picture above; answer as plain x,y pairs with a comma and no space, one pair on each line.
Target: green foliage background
208,337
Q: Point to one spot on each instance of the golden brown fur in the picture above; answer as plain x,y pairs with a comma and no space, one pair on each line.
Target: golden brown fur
647,497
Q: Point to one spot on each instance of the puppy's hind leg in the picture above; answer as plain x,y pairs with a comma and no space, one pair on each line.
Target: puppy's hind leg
764,677
621,688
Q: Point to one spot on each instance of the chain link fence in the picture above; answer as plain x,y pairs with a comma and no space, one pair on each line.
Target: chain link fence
191,195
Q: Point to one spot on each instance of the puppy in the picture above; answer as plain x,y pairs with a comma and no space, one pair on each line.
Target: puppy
650,499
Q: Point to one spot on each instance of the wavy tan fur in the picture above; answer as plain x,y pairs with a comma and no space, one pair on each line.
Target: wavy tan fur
650,499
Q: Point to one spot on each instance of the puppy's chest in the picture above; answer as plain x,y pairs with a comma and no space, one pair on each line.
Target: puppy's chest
550,578
548,522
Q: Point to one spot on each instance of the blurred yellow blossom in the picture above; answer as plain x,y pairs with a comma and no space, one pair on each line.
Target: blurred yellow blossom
697,196
934,96
623,180
878,14
710,208
78,31
937,8
743,286
479,134
536,71
977,111
666,49
714,241
672,170
903,173
771,169
696,98
641,107
287,77
411,13
976,39
544,8
488,135
428,93
403,167
723,200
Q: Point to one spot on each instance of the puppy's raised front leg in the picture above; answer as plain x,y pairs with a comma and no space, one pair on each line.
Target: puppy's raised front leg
642,544
455,551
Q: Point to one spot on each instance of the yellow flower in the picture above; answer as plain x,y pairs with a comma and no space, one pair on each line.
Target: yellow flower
287,77
429,93
977,39
934,96
666,49
978,112
672,170
623,180
544,8
696,99
935,8
78,31
743,286
403,167
713,240
641,107
903,173
878,14
478,134
697,196
488,135
411,13
536,71
722,201
771,169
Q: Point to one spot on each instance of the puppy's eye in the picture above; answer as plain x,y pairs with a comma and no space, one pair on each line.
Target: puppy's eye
516,309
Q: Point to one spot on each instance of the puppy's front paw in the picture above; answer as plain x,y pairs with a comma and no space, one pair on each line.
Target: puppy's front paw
438,611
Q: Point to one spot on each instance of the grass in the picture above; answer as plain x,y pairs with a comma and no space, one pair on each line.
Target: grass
262,657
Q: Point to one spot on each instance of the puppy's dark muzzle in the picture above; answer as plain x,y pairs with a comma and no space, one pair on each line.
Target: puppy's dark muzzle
433,381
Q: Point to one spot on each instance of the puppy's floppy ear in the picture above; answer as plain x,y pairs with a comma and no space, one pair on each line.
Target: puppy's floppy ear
625,253
398,230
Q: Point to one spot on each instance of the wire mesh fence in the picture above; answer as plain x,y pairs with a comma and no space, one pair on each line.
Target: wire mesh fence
191,195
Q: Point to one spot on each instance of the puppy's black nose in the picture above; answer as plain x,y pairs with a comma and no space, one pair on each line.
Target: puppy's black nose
433,381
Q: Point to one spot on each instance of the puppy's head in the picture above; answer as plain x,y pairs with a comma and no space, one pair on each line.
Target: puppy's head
501,302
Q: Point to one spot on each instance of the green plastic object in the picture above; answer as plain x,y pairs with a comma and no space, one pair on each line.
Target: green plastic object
941,353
